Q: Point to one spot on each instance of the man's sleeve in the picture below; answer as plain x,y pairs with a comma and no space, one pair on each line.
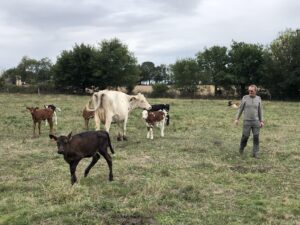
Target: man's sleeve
260,111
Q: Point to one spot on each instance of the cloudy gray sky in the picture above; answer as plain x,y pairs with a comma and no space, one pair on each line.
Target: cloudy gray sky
160,31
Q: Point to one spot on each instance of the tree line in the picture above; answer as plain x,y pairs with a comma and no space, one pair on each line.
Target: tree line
275,67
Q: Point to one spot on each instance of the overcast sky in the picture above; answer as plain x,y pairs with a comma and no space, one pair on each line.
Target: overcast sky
161,31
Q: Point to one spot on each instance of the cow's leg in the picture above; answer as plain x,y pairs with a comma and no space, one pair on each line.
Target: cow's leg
73,166
107,157
125,129
95,159
120,136
108,120
97,121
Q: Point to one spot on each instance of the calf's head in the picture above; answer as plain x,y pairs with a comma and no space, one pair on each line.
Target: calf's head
32,109
62,142
145,114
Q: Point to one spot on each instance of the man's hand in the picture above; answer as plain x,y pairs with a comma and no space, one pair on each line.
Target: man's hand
236,122
261,124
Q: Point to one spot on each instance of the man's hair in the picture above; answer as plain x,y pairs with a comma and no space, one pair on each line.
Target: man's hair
253,86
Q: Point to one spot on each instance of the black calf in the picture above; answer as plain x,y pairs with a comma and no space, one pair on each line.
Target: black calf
83,145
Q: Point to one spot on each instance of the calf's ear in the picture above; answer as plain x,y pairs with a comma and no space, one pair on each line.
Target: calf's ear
51,136
70,136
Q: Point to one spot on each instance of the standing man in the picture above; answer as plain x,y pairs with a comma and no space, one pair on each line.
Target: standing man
253,119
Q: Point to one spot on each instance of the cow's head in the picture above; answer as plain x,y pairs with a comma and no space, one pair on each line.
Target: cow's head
139,101
62,142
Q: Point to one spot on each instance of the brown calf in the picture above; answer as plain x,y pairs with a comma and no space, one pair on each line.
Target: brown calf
41,114
87,115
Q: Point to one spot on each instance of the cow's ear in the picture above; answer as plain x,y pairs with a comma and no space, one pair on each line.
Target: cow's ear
133,98
51,136
69,136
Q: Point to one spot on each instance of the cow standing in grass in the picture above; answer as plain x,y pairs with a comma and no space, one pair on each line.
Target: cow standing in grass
115,106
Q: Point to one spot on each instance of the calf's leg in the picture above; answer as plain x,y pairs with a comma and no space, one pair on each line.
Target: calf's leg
86,124
73,166
148,133
39,126
162,128
50,125
34,126
95,159
107,157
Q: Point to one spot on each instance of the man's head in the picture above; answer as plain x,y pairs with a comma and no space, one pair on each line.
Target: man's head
252,89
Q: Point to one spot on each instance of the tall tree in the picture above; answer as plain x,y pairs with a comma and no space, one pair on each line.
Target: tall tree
186,75
75,68
246,64
147,71
283,65
118,66
214,62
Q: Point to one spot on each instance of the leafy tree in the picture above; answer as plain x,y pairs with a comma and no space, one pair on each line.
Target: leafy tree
75,68
246,64
26,69
43,70
117,66
186,75
282,58
147,71
30,70
214,62
10,75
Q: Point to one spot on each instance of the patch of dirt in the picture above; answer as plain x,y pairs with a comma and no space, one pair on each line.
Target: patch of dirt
136,220
255,169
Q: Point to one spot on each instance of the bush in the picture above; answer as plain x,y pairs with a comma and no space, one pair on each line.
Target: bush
159,90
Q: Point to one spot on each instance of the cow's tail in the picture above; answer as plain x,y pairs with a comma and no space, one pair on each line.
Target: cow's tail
95,102
109,143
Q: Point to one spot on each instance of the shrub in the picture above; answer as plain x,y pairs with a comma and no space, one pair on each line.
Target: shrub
159,90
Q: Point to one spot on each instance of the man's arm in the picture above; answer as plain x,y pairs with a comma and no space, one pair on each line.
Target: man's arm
260,114
240,111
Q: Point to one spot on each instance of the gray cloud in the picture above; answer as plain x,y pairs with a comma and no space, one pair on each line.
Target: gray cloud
154,30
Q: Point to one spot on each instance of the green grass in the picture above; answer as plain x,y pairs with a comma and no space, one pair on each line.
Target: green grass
194,175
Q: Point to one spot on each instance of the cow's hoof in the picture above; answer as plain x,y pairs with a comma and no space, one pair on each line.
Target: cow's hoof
119,138
125,138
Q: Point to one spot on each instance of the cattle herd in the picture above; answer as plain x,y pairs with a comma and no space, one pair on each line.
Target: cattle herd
106,107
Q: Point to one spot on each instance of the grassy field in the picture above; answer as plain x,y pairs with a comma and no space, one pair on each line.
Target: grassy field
194,175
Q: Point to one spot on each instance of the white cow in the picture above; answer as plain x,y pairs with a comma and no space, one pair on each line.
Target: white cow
115,106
